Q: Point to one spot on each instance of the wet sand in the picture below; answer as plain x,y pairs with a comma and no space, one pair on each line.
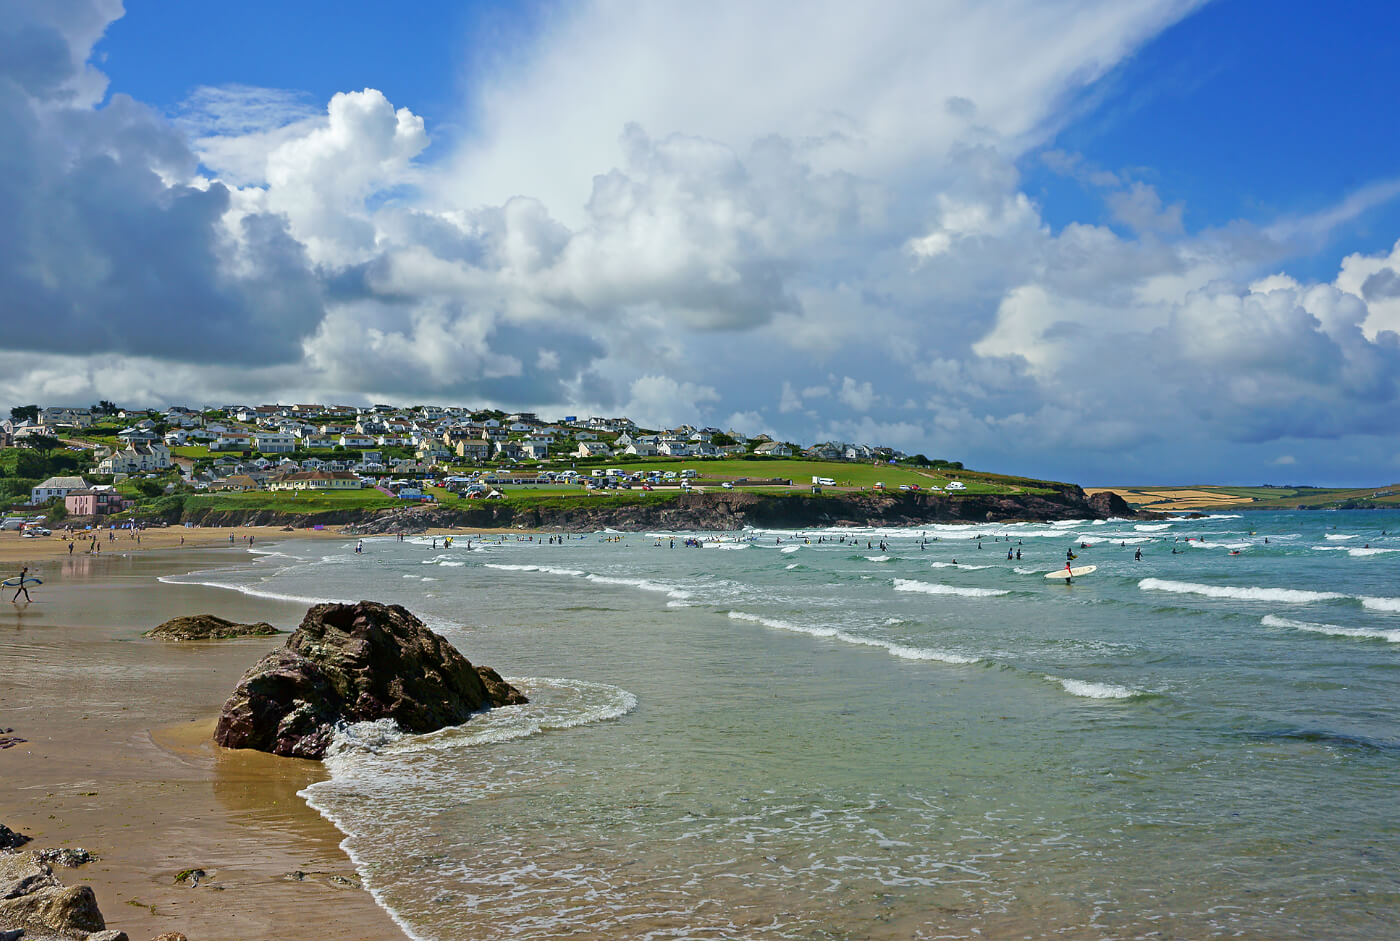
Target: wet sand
119,760
16,550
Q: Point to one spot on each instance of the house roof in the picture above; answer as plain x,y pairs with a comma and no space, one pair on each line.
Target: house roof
66,482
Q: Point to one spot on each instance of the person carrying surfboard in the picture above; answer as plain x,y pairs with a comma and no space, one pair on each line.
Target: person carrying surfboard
23,573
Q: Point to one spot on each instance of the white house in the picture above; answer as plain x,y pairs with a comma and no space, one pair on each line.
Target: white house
57,486
355,441
592,449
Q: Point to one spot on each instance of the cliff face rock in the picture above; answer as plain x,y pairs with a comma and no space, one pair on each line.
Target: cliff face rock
32,899
730,511
208,627
1107,504
355,663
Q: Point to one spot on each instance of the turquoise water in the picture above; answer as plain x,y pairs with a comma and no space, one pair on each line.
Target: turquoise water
772,737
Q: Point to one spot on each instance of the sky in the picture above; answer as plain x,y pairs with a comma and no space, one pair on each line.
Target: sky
1107,241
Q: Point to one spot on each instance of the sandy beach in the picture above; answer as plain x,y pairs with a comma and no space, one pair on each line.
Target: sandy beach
16,550
117,756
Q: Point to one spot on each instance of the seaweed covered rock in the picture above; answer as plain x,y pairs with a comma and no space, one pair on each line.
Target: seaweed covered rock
355,663
209,627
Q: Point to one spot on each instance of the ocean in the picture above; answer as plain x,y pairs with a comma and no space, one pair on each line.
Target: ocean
798,734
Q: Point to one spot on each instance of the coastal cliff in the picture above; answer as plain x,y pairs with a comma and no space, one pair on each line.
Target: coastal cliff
716,511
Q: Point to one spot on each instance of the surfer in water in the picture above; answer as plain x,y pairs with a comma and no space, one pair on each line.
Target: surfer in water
23,573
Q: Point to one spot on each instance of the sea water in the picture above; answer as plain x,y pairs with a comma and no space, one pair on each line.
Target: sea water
801,734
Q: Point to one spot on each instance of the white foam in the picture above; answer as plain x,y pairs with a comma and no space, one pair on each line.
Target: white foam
1151,527
1093,690
962,567
1280,594
1025,570
922,588
791,566
540,568
1339,537
894,649
1232,545
1381,603
878,557
1331,630
245,589
637,582
792,548
1367,552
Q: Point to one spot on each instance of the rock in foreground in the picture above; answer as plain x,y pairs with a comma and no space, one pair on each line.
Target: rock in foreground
355,663
208,627
35,901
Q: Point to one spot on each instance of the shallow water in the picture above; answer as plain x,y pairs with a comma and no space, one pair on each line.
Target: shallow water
772,737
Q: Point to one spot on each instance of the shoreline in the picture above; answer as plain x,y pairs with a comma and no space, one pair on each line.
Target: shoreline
119,759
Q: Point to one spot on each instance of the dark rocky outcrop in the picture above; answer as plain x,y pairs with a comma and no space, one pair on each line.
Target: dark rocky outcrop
208,627
12,839
1107,504
350,663
33,900
733,510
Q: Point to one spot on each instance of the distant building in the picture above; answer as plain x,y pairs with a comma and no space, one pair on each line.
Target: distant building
92,502
59,486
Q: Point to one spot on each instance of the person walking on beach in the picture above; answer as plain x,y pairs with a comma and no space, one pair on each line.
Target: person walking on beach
359,547
23,573
70,547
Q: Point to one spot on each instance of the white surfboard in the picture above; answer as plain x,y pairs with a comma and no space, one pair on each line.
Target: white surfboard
1077,572
14,582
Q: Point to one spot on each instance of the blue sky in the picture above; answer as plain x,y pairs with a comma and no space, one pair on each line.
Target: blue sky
1101,240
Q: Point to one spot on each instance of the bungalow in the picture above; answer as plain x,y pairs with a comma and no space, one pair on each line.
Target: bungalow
317,445
57,486
674,447
592,450
232,442
236,483
355,442
313,481
90,502
774,449
640,449
273,443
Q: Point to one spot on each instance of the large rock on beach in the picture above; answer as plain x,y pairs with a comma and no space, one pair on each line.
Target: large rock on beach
33,899
350,663
208,627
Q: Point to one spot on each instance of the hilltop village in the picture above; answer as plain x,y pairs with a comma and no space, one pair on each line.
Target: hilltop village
103,460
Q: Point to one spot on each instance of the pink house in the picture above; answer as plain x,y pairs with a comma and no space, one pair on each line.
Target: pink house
93,501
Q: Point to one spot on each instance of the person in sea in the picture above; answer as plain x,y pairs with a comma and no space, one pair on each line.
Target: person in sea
23,573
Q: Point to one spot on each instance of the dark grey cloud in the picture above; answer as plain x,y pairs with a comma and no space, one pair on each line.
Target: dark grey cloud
104,250
1384,284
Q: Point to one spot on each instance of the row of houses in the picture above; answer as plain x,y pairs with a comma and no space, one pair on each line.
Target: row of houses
436,435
